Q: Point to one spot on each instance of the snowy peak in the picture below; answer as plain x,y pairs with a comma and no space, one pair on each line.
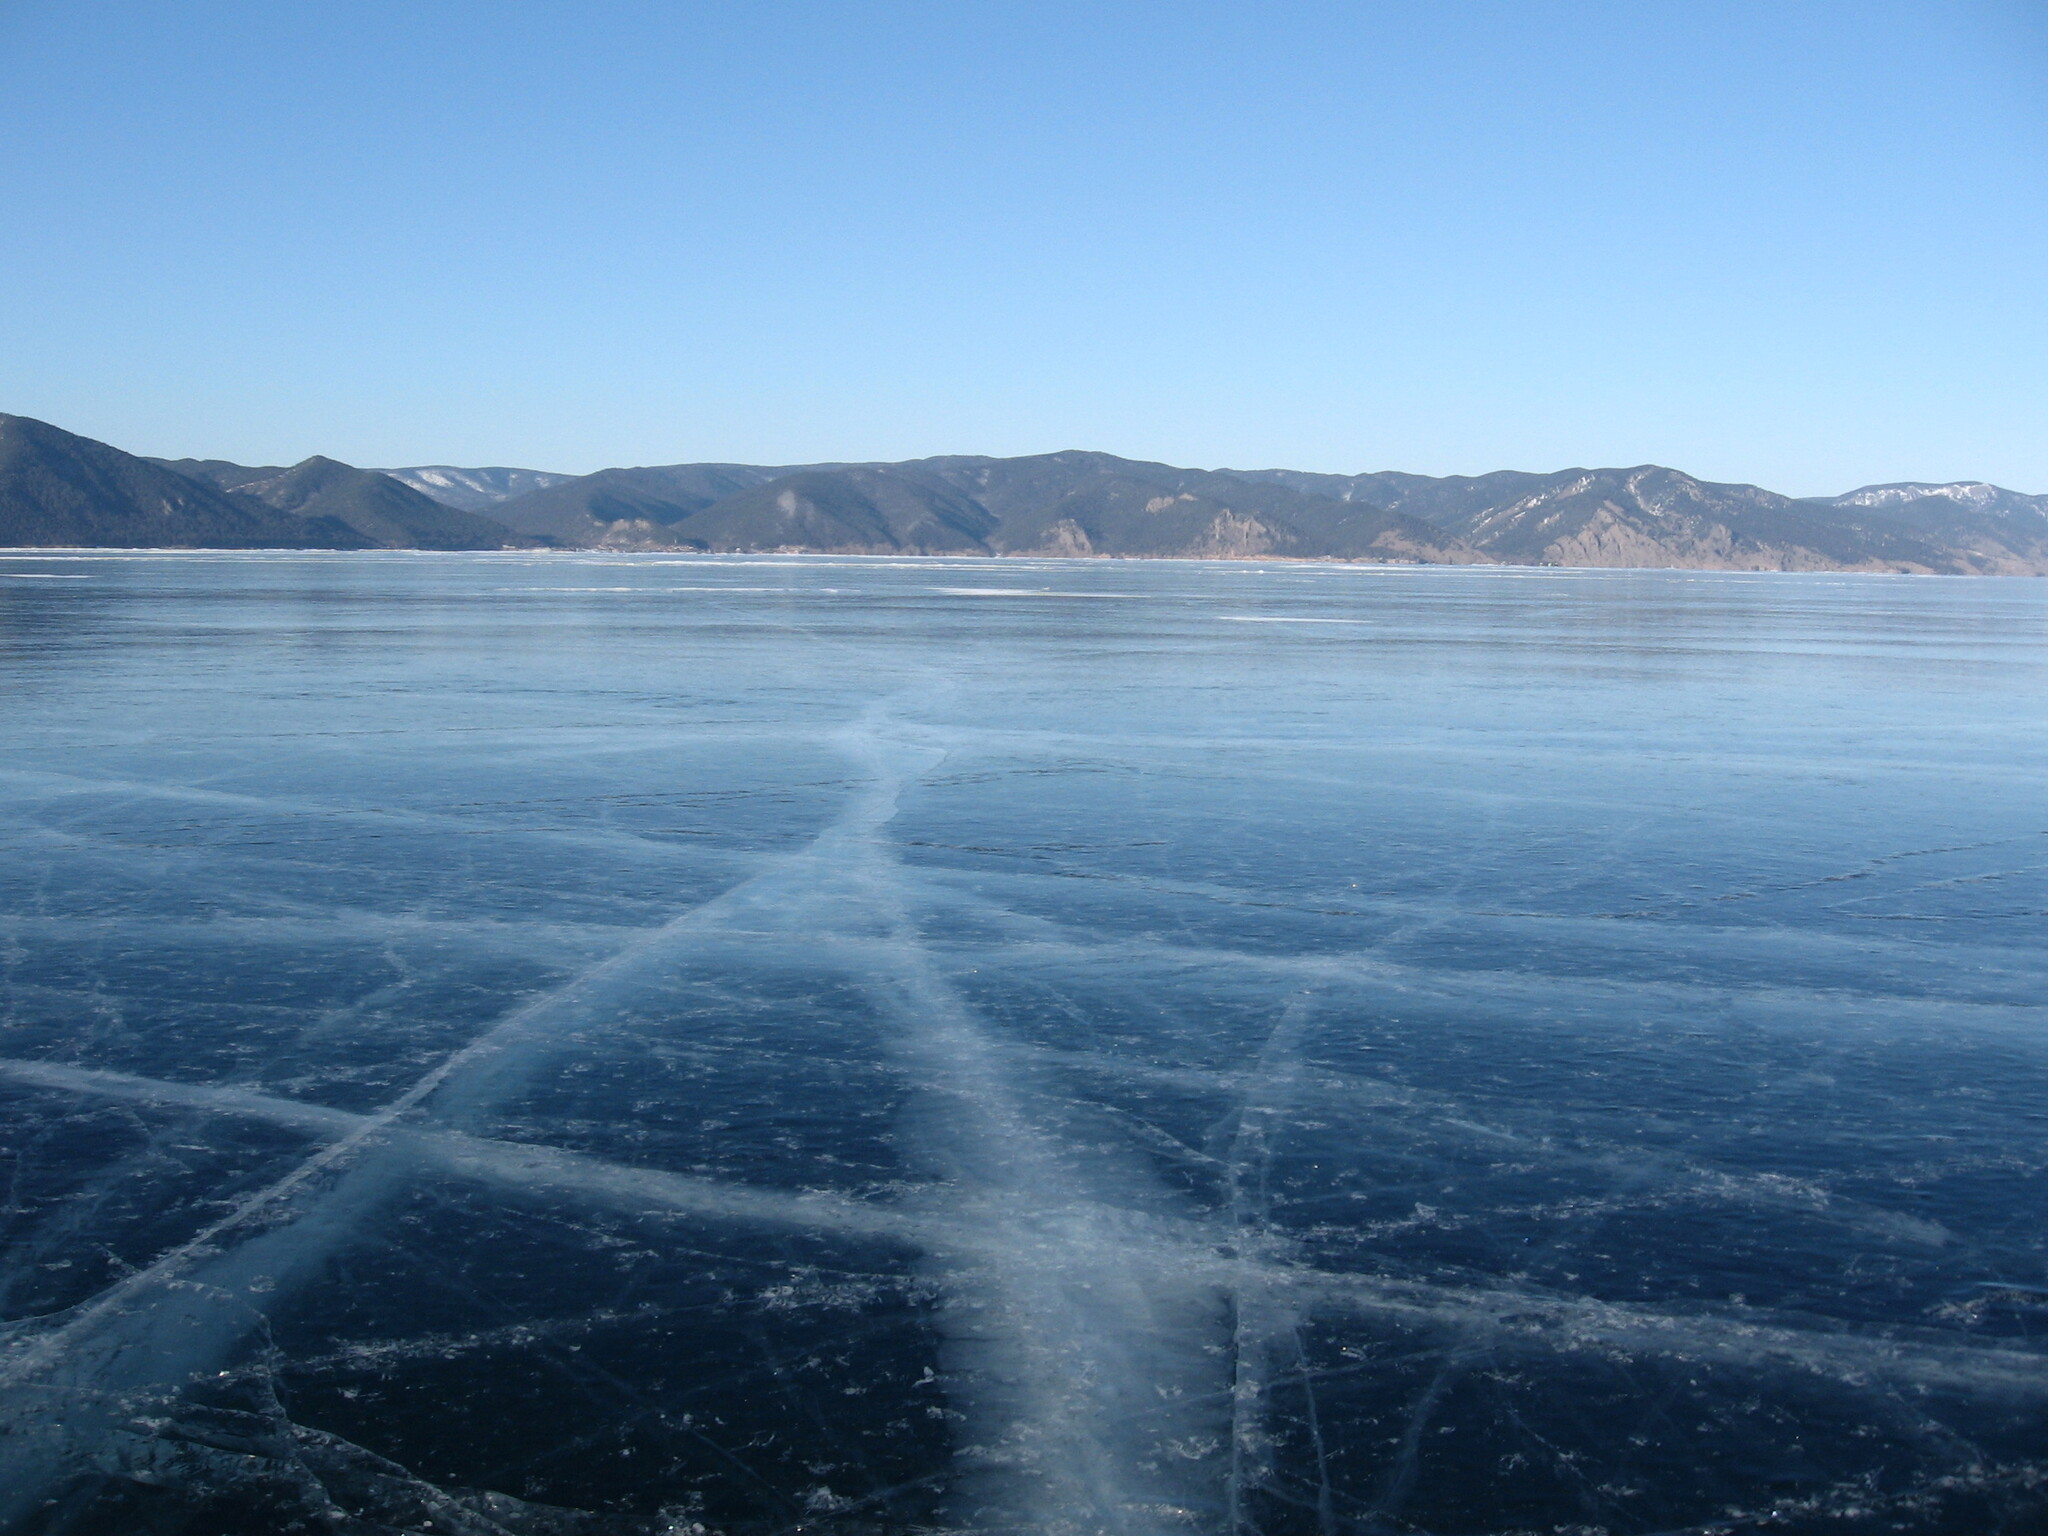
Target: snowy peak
472,490
1970,492
1969,495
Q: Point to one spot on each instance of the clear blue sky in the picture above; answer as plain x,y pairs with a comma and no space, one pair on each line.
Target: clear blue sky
1802,242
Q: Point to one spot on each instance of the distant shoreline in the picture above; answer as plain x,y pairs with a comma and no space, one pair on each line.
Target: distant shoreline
91,551
59,490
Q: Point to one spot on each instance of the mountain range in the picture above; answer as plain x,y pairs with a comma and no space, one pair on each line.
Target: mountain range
59,489
382,511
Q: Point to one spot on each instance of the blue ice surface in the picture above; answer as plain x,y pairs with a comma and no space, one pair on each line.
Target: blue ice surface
599,1043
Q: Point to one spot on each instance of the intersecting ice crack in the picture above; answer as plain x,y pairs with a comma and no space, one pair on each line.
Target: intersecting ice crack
1111,1365
1051,1394
1078,1357
1266,1314
178,1317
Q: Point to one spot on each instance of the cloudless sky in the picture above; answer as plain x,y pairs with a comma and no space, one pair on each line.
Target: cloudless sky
1802,242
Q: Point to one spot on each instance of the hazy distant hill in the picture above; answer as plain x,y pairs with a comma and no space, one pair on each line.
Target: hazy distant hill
379,508
2002,531
58,489
845,509
627,508
856,510
1081,503
1649,516
1062,503
1972,495
473,490
1095,503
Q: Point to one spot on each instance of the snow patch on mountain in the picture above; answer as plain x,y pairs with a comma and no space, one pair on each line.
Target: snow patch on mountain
474,489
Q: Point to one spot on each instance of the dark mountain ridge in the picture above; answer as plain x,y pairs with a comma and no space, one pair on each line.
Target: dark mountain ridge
56,488
857,510
61,490
383,511
626,508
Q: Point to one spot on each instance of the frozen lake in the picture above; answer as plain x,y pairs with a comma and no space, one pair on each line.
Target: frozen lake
550,1046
